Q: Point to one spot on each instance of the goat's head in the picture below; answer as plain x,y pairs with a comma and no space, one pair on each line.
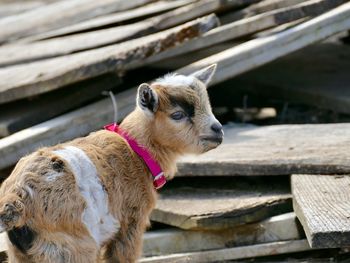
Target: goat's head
180,111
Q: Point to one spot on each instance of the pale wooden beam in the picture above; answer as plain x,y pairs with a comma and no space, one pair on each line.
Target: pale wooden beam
219,255
252,25
38,77
110,19
23,53
322,204
169,241
58,14
254,53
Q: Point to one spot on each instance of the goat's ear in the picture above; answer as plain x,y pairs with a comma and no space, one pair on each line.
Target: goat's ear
147,98
11,212
205,75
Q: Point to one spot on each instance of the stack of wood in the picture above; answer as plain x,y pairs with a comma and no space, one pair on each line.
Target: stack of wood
57,57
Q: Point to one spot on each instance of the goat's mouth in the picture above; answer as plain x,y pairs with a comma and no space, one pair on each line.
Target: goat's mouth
212,139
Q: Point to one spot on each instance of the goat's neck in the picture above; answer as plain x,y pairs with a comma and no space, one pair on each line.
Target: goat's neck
139,127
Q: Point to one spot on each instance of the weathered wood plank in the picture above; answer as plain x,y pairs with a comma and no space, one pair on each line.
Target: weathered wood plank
219,255
15,54
58,14
111,19
254,53
220,203
275,150
322,204
169,241
247,54
63,128
7,9
38,77
258,8
293,78
20,115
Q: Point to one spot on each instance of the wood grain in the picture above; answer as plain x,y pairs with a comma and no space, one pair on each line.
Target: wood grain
322,204
221,255
173,240
20,115
38,77
110,19
258,8
19,54
253,53
275,150
219,203
58,14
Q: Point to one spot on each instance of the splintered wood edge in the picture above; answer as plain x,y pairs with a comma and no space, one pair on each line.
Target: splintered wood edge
260,250
215,222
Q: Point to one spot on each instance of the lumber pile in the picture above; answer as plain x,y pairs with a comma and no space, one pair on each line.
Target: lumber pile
267,190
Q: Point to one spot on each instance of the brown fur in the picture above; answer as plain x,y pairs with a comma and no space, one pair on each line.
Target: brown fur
53,209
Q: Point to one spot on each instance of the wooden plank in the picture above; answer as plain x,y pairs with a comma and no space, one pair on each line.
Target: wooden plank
38,77
275,150
111,19
63,128
7,9
220,255
169,241
219,203
257,52
258,8
58,14
292,78
15,54
20,115
322,204
247,54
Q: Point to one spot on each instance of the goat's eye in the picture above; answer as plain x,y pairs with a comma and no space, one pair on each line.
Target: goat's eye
179,115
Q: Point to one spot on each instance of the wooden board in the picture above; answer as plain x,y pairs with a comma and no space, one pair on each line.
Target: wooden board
221,255
317,75
217,203
58,14
20,115
8,9
111,19
275,150
38,77
258,8
169,241
255,53
63,128
18,54
322,204
248,54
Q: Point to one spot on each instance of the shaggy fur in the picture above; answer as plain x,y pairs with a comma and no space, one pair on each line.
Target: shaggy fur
89,200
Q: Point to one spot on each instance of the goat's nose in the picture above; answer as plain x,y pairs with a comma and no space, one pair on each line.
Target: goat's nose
216,127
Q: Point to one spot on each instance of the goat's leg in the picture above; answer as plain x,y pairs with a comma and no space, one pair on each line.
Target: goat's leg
126,246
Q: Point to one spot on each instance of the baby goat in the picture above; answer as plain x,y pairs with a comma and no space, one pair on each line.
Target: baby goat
89,200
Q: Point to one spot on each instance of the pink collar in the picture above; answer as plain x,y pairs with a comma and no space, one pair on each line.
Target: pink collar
154,167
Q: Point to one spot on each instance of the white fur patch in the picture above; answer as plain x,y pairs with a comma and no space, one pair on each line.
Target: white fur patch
96,217
175,80
52,176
